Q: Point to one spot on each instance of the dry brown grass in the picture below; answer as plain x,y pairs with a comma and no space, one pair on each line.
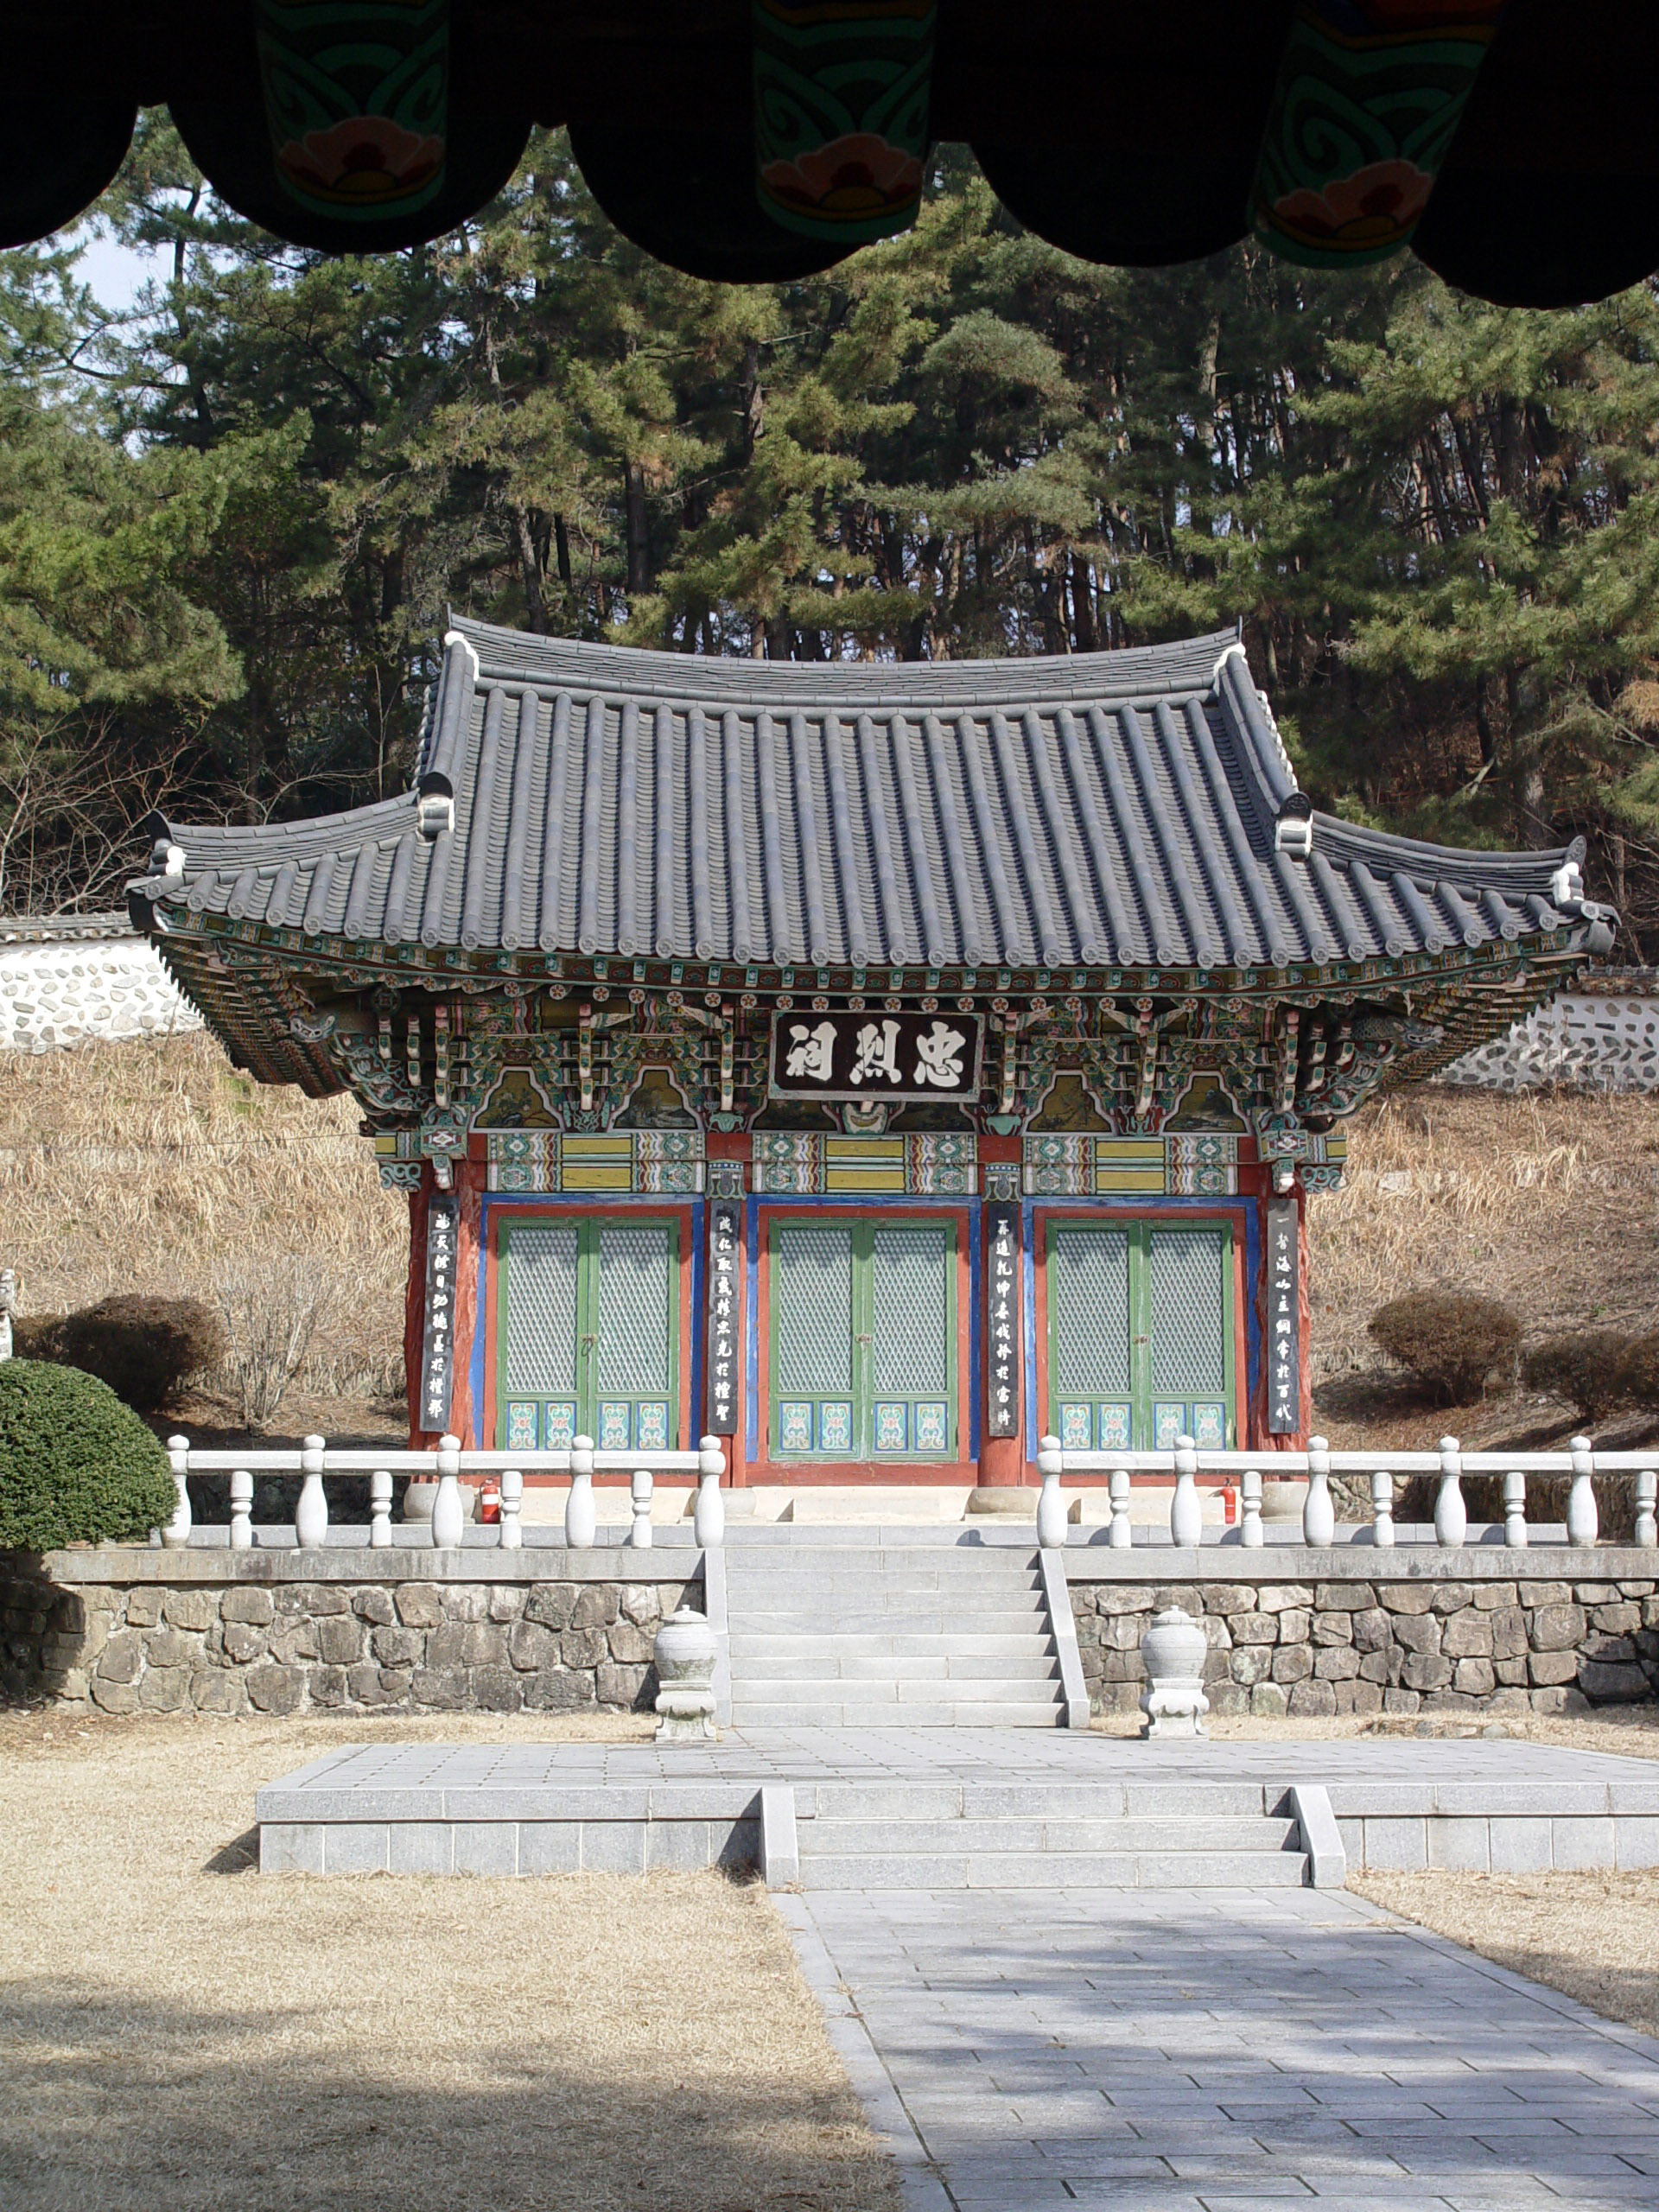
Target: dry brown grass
1594,1936
1545,1202
181,2035
150,1166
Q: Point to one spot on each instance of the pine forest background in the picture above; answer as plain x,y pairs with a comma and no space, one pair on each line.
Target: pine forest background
231,518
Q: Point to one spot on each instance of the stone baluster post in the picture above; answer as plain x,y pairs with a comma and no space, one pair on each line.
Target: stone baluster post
1646,1521
1185,1512
640,1492
1249,1509
311,1514
1319,1513
1382,1510
513,1501
1121,1536
1450,1516
708,1515
1050,1505
241,1509
580,1519
448,1515
177,1534
380,1509
1514,1510
1581,1522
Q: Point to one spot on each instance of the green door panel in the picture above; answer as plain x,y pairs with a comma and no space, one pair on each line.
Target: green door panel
862,1349
1140,1334
588,1344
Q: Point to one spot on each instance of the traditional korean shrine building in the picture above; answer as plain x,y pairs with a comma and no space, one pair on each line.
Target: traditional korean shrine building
876,1065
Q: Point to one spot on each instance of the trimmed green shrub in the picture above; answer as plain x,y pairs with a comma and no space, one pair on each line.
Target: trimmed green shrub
144,1348
1450,1340
1597,1370
76,1465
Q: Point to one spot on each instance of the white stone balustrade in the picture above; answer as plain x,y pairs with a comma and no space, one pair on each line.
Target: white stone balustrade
1192,1470
315,1462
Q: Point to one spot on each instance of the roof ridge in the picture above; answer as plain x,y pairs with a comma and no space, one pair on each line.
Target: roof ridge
1178,667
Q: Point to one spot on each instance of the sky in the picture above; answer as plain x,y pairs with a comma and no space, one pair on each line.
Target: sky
115,273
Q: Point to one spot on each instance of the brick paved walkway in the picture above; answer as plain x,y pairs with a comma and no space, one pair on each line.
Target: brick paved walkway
1169,2050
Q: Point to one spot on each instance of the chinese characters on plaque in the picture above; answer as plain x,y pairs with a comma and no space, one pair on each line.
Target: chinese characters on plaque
865,1057
1002,1320
438,1341
1284,1321
722,1318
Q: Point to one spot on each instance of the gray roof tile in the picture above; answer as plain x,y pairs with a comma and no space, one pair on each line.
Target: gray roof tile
1100,810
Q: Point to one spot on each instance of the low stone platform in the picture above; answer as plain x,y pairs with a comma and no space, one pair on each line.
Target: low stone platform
824,1808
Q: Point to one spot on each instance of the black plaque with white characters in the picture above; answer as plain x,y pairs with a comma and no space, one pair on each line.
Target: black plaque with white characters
438,1338
1284,1344
722,1338
863,1058
1002,1256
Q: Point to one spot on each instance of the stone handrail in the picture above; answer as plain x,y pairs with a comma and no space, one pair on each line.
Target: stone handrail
315,1459
1581,1462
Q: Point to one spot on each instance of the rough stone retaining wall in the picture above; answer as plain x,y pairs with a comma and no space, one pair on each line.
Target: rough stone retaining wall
1509,1638
60,982
346,1636
1603,1036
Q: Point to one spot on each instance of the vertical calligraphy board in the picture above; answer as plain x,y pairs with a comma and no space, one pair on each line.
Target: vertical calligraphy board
1284,1333
723,1332
438,1338
1002,1254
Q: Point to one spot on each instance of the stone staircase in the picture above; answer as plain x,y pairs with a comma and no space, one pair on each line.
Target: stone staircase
888,1835
886,1634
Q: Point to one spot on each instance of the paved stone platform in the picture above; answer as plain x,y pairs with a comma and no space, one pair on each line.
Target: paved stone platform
1211,2050
930,1809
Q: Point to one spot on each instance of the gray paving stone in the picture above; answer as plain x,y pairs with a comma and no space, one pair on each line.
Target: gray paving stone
1150,2048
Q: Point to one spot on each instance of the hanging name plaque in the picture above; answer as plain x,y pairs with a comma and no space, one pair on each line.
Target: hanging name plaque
1002,1225
722,1393
868,1058
438,1340
1284,1346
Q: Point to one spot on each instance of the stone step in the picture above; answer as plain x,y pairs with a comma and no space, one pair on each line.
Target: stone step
965,1591
873,1620
1041,1799
783,1664
898,1643
892,1689
834,1705
885,1835
803,1558
1055,1870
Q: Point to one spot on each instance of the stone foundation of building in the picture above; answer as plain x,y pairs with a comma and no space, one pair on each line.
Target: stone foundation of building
349,1636
1509,1642
1291,1631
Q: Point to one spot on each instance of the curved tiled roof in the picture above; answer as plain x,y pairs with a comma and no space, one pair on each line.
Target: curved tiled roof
1107,810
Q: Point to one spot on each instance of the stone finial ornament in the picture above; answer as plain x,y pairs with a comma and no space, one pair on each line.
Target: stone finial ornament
685,1652
1173,1651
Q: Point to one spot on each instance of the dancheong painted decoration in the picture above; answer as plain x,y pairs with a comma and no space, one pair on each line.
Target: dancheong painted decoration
1509,146
877,1066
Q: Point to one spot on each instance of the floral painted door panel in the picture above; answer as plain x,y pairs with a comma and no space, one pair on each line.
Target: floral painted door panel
863,1354
1139,1335
588,1335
